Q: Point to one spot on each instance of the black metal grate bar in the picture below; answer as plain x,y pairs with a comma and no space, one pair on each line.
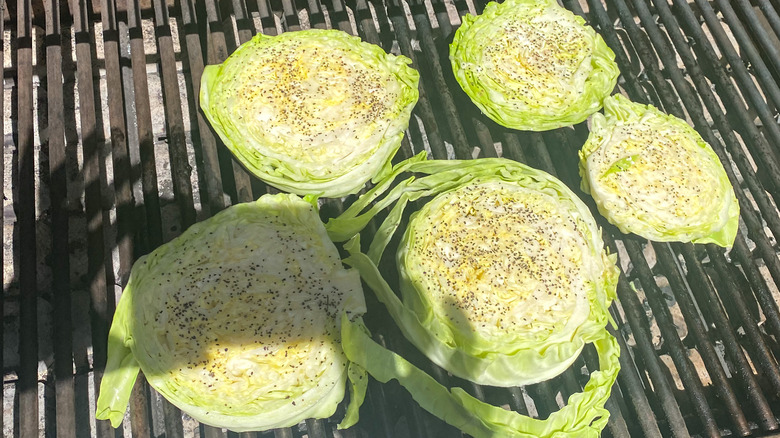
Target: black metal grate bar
771,15
761,355
28,321
761,71
662,387
767,47
218,52
63,344
180,167
632,386
2,218
93,173
626,295
426,110
678,352
755,101
707,350
150,224
119,151
705,294
431,69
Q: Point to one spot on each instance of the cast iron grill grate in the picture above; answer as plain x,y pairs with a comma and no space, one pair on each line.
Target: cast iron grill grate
106,157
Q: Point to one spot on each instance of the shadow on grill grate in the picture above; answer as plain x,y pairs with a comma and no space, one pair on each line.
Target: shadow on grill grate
106,157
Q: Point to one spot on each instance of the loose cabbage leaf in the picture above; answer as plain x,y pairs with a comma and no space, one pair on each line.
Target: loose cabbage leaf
532,65
311,112
584,415
511,355
237,321
653,175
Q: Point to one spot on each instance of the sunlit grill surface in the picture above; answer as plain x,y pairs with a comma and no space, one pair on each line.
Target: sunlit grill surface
106,157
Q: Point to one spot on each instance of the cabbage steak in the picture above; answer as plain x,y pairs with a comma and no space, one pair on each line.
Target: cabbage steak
315,112
532,65
237,321
503,280
652,174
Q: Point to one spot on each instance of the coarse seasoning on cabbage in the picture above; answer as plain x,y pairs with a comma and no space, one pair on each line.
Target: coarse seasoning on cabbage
311,112
532,65
653,175
503,280
237,321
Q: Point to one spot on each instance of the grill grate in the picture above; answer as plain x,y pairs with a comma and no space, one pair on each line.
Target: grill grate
106,157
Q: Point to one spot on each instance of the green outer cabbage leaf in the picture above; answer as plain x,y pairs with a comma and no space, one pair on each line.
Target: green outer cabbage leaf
244,135
129,351
466,57
584,415
503,365
720,227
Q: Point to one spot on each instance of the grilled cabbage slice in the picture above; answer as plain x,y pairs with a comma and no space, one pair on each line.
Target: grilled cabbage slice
504,279
532,65
237,321
311,112
653,175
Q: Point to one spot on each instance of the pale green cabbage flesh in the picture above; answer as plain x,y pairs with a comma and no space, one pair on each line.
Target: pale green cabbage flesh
532,65
504,279
311,112
653,175
237,321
